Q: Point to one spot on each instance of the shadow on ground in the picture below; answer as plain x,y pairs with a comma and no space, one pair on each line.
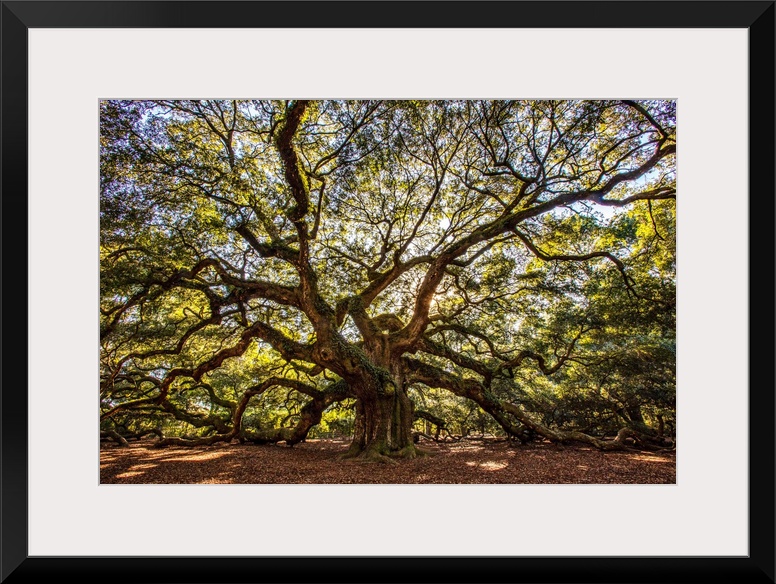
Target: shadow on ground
317,462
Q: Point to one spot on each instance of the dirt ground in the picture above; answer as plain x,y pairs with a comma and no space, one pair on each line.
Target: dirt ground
317,462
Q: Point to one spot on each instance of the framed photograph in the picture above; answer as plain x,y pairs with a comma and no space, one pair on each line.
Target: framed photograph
668,104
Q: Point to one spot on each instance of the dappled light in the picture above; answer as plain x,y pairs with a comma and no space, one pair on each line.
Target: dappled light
488,283
319,462
489,464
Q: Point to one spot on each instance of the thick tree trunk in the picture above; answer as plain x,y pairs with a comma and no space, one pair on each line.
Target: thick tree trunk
383,424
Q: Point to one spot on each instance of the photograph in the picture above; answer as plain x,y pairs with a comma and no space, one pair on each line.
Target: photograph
387,291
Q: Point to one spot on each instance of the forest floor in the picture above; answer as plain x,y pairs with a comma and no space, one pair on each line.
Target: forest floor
317,462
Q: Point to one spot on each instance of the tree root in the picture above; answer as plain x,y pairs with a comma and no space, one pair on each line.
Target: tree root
409,452
369,456
375,454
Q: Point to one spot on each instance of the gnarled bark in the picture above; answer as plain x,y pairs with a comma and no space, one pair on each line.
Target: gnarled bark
383,424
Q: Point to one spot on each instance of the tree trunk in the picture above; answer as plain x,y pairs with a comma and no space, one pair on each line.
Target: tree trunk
383,425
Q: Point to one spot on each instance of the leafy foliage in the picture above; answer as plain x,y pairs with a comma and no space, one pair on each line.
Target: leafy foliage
275,268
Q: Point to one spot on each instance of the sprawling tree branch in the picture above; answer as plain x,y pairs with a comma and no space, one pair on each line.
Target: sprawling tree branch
289,349
310,414
387,243
436,271
475,391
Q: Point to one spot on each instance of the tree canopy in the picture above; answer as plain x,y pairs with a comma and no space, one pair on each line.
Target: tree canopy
270,269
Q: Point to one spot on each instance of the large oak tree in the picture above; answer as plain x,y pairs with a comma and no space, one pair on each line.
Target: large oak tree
516,254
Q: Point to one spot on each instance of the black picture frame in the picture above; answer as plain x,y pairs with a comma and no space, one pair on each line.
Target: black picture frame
19,16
